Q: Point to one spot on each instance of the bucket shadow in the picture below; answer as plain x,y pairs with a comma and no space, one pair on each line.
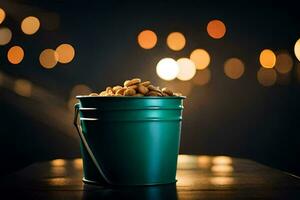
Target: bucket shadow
168,191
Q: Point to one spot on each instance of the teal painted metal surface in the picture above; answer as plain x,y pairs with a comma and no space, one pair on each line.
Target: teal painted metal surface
134,140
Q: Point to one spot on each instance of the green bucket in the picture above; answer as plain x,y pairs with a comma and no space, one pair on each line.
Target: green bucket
129,140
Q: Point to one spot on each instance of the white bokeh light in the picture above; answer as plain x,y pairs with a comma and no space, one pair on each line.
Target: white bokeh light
187,69
167,69
297,49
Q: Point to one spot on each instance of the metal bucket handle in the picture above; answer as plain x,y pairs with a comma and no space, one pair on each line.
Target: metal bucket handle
86,145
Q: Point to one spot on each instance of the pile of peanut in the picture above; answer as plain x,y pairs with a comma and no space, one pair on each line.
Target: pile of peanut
135,87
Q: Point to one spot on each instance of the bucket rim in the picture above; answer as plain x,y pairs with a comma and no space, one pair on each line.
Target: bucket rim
130,97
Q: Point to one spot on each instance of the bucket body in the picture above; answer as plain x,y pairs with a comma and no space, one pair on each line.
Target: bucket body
135,140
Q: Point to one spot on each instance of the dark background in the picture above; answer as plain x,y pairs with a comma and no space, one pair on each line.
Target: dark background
239,118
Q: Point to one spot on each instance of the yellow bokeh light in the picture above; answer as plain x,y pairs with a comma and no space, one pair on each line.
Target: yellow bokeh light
201,58
77,163
267,58
176,41
15,55
23,87
187,69
204,161
147,39
48,58
183,158
65,53
234,68
5,35
216,29
2,15
266,77
222,160
284,63
221,181
221,168
58,181
58,162
297,49
30,25
167,69
202,77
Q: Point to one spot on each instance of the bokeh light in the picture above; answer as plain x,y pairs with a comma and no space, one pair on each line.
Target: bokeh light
267,58
65,53
222,168
30,25
176,41
167,69
216,29
284,63
2,15
222,180
147,39
23,87
48,58
5,35
266,77
297,49
77,163
234,68
187,69
222,160
202,77
201,58
15,55
58,162
204,161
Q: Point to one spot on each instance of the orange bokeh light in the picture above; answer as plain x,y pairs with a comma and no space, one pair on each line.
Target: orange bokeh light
15,55
266,77
176,41
201,58
48,58
147,39
30,25
267,58
216,29
2,15
5,35
234,68
284,63
65,53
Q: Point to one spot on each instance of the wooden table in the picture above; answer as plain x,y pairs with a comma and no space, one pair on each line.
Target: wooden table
199,177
